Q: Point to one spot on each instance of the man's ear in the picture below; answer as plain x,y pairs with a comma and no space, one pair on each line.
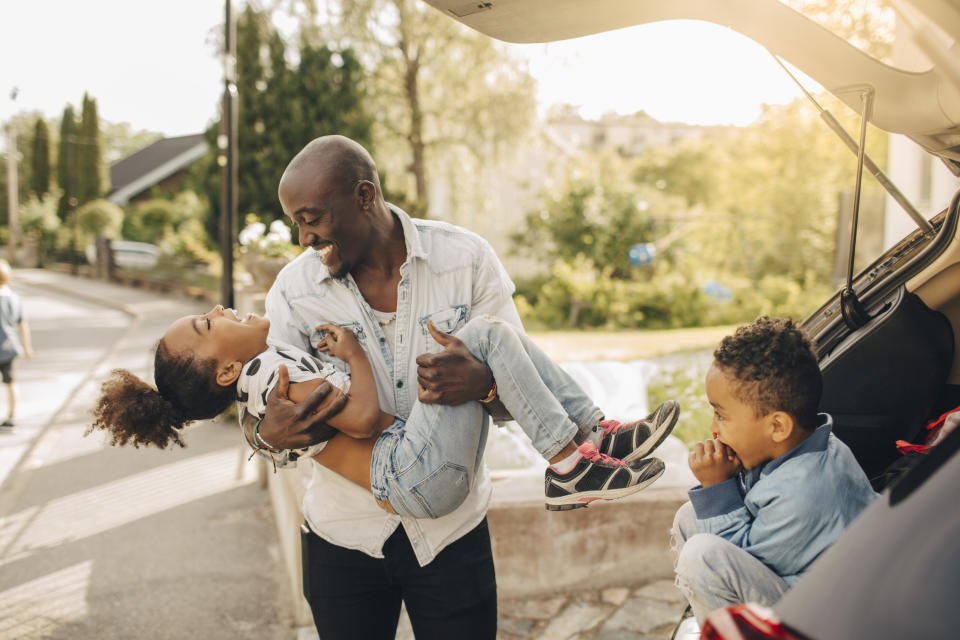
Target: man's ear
227,374
781,425
365,192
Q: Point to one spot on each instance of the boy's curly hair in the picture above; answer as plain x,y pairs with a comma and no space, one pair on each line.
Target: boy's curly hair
776,368
134,412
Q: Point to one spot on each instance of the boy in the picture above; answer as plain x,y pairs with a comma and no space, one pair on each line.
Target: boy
14,338
776,486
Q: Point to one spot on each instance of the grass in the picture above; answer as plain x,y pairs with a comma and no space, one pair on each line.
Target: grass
680,379
583,346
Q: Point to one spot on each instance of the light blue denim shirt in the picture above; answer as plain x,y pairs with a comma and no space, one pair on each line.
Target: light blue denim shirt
789,510
450,275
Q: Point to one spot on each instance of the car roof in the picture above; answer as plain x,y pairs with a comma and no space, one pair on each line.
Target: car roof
924,105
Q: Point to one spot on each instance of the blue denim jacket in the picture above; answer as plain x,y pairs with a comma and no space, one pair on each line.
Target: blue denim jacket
789,510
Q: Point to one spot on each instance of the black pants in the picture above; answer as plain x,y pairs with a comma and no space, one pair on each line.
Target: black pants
353,595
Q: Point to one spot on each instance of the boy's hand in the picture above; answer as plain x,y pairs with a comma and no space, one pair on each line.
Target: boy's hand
713,462
340,342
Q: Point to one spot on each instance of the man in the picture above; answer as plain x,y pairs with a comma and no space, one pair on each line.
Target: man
373,269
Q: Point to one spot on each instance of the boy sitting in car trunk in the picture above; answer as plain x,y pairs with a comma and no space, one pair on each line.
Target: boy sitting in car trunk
776,486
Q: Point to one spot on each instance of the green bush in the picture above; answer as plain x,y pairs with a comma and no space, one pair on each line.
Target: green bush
578,295
99,218
685,384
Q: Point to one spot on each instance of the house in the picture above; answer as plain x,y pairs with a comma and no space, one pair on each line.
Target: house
163,164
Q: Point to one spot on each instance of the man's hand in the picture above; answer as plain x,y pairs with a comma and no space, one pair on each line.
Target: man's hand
713,462
452,376
288,425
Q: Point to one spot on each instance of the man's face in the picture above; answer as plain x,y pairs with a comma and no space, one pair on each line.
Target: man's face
329,220
735,422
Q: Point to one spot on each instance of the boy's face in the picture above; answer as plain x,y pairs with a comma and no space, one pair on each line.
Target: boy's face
734,421
219,334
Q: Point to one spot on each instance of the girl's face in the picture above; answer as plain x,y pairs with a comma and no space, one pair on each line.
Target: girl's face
219,334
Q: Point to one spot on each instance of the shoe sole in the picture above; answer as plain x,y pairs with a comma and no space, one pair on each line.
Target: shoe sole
585,498
663,430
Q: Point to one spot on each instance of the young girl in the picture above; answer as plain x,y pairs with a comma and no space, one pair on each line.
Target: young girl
420,467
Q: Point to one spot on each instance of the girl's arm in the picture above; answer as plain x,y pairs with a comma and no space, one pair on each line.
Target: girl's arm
361,416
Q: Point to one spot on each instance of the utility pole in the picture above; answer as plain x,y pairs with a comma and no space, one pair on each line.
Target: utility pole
13,191
227,158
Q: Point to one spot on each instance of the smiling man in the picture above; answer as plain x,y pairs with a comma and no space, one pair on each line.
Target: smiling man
371,268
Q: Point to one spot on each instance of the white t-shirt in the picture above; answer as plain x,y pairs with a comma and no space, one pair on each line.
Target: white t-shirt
259,377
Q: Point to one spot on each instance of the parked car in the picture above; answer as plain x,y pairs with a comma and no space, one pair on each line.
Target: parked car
885,340
128,254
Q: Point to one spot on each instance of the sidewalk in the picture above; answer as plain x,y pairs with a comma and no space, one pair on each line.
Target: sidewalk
100,542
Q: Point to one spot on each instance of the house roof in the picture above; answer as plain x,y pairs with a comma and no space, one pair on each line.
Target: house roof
145,168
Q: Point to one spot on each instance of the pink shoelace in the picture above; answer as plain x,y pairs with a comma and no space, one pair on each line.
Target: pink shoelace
611,426
593,455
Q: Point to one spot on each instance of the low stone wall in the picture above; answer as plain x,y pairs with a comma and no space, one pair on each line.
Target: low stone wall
539,552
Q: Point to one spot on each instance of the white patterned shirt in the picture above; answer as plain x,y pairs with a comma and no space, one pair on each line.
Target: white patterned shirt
259,377
450,275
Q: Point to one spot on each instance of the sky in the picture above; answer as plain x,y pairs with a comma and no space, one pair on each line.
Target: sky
154,65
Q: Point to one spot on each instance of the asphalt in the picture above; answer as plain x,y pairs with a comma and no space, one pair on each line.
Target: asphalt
108,542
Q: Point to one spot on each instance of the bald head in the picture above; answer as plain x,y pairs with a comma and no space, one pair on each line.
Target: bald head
333,160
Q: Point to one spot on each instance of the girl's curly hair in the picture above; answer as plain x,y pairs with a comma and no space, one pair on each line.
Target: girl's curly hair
132,411
775,369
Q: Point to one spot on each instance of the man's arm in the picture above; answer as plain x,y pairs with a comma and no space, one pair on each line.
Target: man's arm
453,376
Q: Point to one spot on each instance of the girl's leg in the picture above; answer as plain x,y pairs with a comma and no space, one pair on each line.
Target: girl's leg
350,457
425,467
544,400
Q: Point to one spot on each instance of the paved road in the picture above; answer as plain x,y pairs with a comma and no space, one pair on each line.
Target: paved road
103,542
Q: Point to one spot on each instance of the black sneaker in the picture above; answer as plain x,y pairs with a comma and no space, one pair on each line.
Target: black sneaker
597,477
636,439
7,423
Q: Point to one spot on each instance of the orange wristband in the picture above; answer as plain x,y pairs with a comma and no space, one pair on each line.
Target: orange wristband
491,395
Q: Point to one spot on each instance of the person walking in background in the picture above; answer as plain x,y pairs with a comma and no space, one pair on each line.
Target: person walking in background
14,338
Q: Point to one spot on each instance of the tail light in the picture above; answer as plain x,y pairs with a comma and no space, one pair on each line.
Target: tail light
745,622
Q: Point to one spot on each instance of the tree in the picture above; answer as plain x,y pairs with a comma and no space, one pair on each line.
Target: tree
444,95
594,215
90,171
40,160
867,25
774,211
38,219
282,106
22,125
67,163
99,218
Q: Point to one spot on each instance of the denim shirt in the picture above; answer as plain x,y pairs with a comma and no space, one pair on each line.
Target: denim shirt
789,510
450,275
